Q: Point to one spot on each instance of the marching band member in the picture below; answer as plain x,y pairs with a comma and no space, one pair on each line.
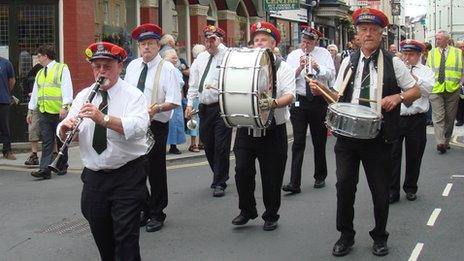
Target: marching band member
112,142
308,109
398,86
163,92
413,124
214,134
271,148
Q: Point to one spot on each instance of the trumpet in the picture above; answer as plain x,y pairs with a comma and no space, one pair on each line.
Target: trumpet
56,165
192,123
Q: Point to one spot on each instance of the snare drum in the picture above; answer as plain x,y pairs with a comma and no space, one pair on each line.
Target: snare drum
353,120
246,75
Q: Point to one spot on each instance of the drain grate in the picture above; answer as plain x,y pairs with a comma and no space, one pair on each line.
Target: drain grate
68,226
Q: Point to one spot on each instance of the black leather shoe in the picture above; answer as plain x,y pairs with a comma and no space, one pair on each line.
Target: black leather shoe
143,218
380,248
63,172
441,148
290,188
342,247
154,225
269,225
459,123
411,196
218,192
41,174
319,184
393,198
242,219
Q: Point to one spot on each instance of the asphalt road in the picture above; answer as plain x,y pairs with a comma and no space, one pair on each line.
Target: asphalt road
41,220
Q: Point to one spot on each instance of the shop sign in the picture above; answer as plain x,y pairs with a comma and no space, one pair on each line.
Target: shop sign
279,5
299,15
368,2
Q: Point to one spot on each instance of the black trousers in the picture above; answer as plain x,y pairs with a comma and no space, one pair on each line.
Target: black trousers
111,202
460,113
375,156
48,123
5,134
216,138
157,197
271,152
310,113
413,133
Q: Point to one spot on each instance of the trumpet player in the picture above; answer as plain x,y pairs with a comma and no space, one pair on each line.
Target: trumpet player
203,82
164,96
112,143
308,109
413,124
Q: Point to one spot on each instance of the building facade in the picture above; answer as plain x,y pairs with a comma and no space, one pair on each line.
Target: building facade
445,15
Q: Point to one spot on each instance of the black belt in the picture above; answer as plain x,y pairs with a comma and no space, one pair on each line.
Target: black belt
210,105
129,164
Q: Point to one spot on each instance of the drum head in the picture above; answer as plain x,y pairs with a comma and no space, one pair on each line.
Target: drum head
265,83
355,110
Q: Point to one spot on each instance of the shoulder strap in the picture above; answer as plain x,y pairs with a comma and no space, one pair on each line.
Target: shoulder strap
154,91
278,62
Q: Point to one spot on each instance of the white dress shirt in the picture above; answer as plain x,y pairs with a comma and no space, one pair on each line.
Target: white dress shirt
126,103
285,85
207,96
168,90
323,58
403,77
66,88
425,80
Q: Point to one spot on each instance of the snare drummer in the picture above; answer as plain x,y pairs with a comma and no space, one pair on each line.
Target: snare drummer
203,83
271,148
308,109
413,124
375,154
141,73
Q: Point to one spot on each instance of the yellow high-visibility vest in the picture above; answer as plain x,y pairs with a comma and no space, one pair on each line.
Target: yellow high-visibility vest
49,89
453,69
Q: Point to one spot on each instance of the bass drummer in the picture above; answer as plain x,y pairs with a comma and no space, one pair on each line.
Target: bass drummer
203,82
399,86
269,146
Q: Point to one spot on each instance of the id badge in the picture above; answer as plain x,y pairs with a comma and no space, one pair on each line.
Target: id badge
297,104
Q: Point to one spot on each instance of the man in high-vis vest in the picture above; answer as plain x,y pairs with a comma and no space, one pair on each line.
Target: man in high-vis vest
447,63
52,94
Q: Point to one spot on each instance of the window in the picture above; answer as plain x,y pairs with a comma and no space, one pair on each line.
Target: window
106,12
117,12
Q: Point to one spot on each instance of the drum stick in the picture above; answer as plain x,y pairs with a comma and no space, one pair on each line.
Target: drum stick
366,100
327,94
209,86
153,106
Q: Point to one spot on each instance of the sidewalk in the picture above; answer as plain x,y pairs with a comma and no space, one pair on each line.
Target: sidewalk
75,163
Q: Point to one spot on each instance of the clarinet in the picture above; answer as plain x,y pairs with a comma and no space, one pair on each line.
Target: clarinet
57,163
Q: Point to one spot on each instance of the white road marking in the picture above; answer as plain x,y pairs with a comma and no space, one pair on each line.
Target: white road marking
447,189
433,217
416,251
457,176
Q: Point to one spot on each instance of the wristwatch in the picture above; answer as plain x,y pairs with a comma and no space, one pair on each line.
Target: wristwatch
106,120
402,98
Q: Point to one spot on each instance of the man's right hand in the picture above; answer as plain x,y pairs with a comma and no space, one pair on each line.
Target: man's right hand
29,119
188,112
67,125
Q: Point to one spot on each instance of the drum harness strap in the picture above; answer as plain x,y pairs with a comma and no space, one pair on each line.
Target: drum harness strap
154,91
379,90
262,132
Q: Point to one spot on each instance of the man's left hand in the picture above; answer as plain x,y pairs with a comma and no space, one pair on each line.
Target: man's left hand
91,111
266,102
390,102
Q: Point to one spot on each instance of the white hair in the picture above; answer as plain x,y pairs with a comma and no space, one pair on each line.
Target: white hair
166,39
444,33
197,49
332,46
169,52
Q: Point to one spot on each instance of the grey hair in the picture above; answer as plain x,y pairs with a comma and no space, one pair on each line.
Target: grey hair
197,49
332,46
169,52
166,39
444,33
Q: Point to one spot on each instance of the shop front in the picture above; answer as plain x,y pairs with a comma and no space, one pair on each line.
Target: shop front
289,22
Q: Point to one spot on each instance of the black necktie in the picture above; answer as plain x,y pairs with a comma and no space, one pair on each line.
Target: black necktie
203,77
143,77
99,141
365,83
441,70
45,71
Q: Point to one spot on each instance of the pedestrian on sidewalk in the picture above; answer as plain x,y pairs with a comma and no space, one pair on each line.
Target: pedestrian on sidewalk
7,83
158,81
52,94
113,144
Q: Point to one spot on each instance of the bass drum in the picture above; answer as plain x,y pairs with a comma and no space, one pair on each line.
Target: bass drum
246,75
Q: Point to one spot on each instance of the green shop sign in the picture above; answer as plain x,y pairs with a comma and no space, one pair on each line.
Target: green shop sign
279,5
